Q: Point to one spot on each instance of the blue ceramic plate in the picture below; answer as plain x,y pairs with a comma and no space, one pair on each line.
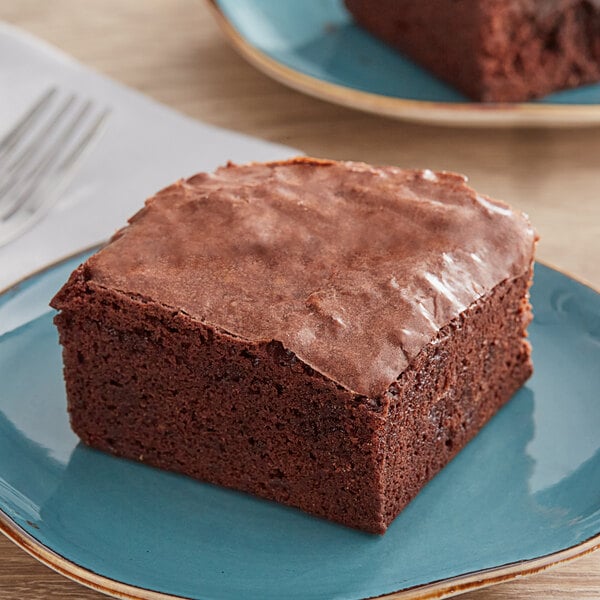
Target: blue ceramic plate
523,495
315,47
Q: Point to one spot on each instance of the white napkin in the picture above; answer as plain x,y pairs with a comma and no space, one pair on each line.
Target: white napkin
146,146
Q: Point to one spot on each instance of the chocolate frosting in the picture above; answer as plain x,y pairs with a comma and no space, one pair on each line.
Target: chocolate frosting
352,268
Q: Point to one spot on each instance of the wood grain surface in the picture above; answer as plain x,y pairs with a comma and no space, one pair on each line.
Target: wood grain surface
172,51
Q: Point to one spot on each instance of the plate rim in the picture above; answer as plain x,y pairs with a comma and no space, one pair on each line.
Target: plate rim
436,590
465,114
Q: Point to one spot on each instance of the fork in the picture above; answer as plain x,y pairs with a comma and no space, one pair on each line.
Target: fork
39,156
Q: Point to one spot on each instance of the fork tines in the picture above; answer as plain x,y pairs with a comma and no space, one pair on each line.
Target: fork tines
39,154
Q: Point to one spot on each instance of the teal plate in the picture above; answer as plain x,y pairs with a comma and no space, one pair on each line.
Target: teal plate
315,47
523,495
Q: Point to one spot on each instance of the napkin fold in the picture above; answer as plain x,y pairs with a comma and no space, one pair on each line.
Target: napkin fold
146,146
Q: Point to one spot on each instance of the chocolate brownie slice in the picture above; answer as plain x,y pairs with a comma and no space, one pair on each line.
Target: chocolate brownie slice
323,334
493,50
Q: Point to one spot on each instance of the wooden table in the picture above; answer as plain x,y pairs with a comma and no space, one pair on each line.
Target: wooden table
172,51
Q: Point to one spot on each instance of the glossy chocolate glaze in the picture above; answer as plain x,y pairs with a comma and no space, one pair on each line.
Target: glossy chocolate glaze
352,268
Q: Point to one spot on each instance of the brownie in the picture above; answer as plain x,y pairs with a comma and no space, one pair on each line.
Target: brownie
493,50
323,334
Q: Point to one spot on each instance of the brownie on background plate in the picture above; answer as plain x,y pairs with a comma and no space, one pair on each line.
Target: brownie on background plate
323,334
493,50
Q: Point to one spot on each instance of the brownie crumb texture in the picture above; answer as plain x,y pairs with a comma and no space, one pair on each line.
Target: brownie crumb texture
158,376
499,50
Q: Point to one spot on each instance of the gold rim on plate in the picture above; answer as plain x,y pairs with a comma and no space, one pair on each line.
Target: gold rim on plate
430,591
465,114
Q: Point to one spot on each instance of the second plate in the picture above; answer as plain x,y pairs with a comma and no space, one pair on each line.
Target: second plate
314,47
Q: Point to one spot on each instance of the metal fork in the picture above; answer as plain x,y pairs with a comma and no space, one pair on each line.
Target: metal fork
39,155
